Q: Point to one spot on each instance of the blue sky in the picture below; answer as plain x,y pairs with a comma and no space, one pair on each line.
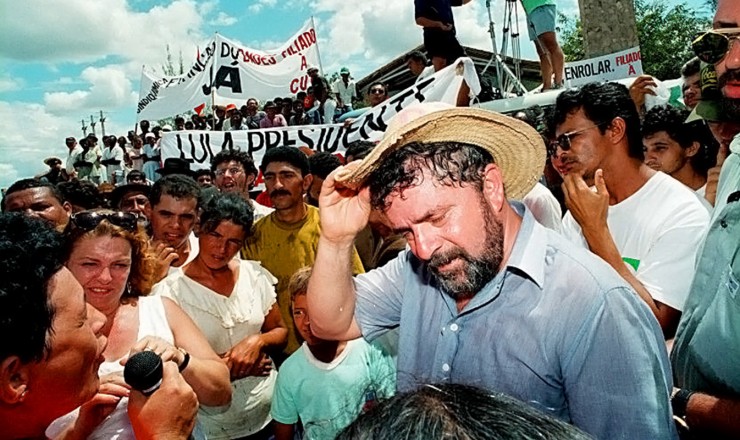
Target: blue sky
64,60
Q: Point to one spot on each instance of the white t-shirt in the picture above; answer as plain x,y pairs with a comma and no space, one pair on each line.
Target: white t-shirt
545,207
657,231
260,210
115,172
225,321
701,193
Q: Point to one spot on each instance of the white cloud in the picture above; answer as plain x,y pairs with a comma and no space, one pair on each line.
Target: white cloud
8,84
26,141
258,5
223,19
109,88
85,31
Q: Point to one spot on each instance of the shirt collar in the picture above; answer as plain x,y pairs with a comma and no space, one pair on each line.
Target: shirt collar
530,246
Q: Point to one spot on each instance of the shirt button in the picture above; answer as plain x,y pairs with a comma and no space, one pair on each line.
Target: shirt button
445,367
454,327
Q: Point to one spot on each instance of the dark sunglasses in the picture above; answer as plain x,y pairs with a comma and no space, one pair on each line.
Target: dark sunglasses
89,220
377,91
564,140
712,46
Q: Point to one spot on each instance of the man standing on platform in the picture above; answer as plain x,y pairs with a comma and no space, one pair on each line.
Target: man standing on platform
541,15
440,39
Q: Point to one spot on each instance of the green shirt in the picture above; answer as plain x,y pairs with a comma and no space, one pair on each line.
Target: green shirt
531,5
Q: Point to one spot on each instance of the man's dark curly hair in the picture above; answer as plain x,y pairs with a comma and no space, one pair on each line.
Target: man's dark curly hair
231,207
358,150
81,193
323,163
290,155
602,103
24,184
174,185
30,255
672,120
242,157
449,163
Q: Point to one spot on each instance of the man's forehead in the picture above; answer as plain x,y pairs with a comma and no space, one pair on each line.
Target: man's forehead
727,15
276,167
32,195
181,203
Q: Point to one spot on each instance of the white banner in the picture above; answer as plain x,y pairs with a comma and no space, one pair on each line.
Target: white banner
234,73
199,147
619,65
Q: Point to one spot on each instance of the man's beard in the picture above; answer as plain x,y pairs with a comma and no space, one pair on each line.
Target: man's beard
730,106
474,272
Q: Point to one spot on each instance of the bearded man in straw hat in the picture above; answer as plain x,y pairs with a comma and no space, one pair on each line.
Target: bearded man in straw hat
484,295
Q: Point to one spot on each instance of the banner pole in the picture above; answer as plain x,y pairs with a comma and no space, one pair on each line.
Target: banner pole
318,52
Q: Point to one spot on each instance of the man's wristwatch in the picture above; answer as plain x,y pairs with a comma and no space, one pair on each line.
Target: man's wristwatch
185,359
679,402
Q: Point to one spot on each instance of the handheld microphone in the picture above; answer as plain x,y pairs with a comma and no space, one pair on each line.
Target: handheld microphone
143,371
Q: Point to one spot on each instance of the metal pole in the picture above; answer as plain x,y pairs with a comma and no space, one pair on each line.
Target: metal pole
318,52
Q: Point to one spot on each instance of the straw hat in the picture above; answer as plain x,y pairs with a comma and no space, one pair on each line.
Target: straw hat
517,148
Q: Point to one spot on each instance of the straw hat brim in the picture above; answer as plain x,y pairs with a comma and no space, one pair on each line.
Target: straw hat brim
517,148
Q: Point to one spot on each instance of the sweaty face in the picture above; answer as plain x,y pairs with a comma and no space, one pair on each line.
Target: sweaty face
220,246
587,147
68,376
285,185
728,69
102,266
662,153
40,203
454,230
173,220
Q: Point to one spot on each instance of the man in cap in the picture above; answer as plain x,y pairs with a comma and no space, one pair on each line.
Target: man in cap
345,90
485,295
323,94
644,223
56,173
705,357
132,197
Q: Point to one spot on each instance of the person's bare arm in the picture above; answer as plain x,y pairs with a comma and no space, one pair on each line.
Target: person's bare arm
282,431
331,291
714,414
590,210
205,372
429,23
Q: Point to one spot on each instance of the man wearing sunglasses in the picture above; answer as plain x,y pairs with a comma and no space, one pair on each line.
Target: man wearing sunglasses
645,224
705,353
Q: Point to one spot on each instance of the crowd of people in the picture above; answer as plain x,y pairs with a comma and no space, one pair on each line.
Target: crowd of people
564,273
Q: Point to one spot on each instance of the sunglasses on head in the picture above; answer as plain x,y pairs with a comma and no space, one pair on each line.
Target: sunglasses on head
712,46
89,220
564,140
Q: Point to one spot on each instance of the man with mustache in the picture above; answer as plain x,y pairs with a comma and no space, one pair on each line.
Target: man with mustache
485,295
286,240
642,222
705,354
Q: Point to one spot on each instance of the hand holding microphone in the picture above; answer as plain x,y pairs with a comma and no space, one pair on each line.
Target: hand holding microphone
161,405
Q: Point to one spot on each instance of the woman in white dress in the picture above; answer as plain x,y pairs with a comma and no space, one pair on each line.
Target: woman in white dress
233,301
108,253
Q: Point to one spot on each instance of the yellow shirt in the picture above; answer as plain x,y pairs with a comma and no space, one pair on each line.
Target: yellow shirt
283,249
